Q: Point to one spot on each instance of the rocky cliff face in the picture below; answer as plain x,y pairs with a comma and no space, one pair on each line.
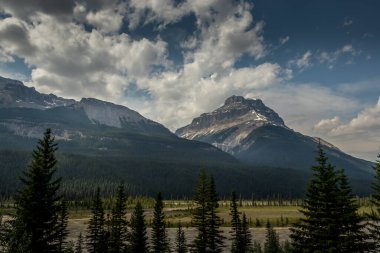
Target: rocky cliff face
229,125
15,94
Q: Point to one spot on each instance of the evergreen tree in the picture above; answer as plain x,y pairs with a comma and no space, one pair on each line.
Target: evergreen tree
160,241
272,243
62,225
138,236
214,240
180,245
118,230
330,216
374,227
236,233
200,214
79,244
353,238
287,247
256,247
246,235
318,231
34,228
96,239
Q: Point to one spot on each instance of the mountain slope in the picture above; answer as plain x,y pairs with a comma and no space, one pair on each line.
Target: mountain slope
99,141
255,134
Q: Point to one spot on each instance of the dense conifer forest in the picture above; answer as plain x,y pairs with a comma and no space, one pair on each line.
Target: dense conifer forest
330,222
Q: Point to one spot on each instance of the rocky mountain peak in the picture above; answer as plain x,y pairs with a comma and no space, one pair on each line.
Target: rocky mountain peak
14,93
234,100
232,122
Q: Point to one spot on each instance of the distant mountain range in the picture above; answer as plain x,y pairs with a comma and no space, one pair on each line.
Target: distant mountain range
101,143
257,135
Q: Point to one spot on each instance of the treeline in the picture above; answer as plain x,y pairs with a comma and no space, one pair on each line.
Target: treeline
331,222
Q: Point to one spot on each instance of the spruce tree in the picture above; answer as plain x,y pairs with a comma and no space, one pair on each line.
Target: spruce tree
62,225
330,215
353,238
200,214
246,235
160,243
180,245
79,244
138,236
34,228
236,233
118,224
214,240
318,230
374,226
256,247
272,243
96,239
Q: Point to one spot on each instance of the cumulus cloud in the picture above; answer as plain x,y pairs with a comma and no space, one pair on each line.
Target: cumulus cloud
108,21
72,61
15,37
25,9
161,11
327,124
5,57
367,120
362,131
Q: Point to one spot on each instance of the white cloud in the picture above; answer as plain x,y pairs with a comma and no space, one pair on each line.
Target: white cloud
358,135
107,21
70,61
162,11
348,22
284,40
73,62
5,57
327,124
302,62
331,58
366,121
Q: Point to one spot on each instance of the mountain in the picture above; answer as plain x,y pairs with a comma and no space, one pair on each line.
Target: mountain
102,144
257,135
14,93
99,142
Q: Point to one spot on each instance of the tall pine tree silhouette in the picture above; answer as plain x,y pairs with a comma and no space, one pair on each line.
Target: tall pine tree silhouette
180,244
160,243
330,215
35,226
205,218
215,239
246,244
236,233
118,224
200,214
138,237
96,239
272,243
353,238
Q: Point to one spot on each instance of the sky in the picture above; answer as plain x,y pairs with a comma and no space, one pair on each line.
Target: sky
316,63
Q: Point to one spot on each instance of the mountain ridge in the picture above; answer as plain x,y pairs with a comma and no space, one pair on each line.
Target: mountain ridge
103,143
264,139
